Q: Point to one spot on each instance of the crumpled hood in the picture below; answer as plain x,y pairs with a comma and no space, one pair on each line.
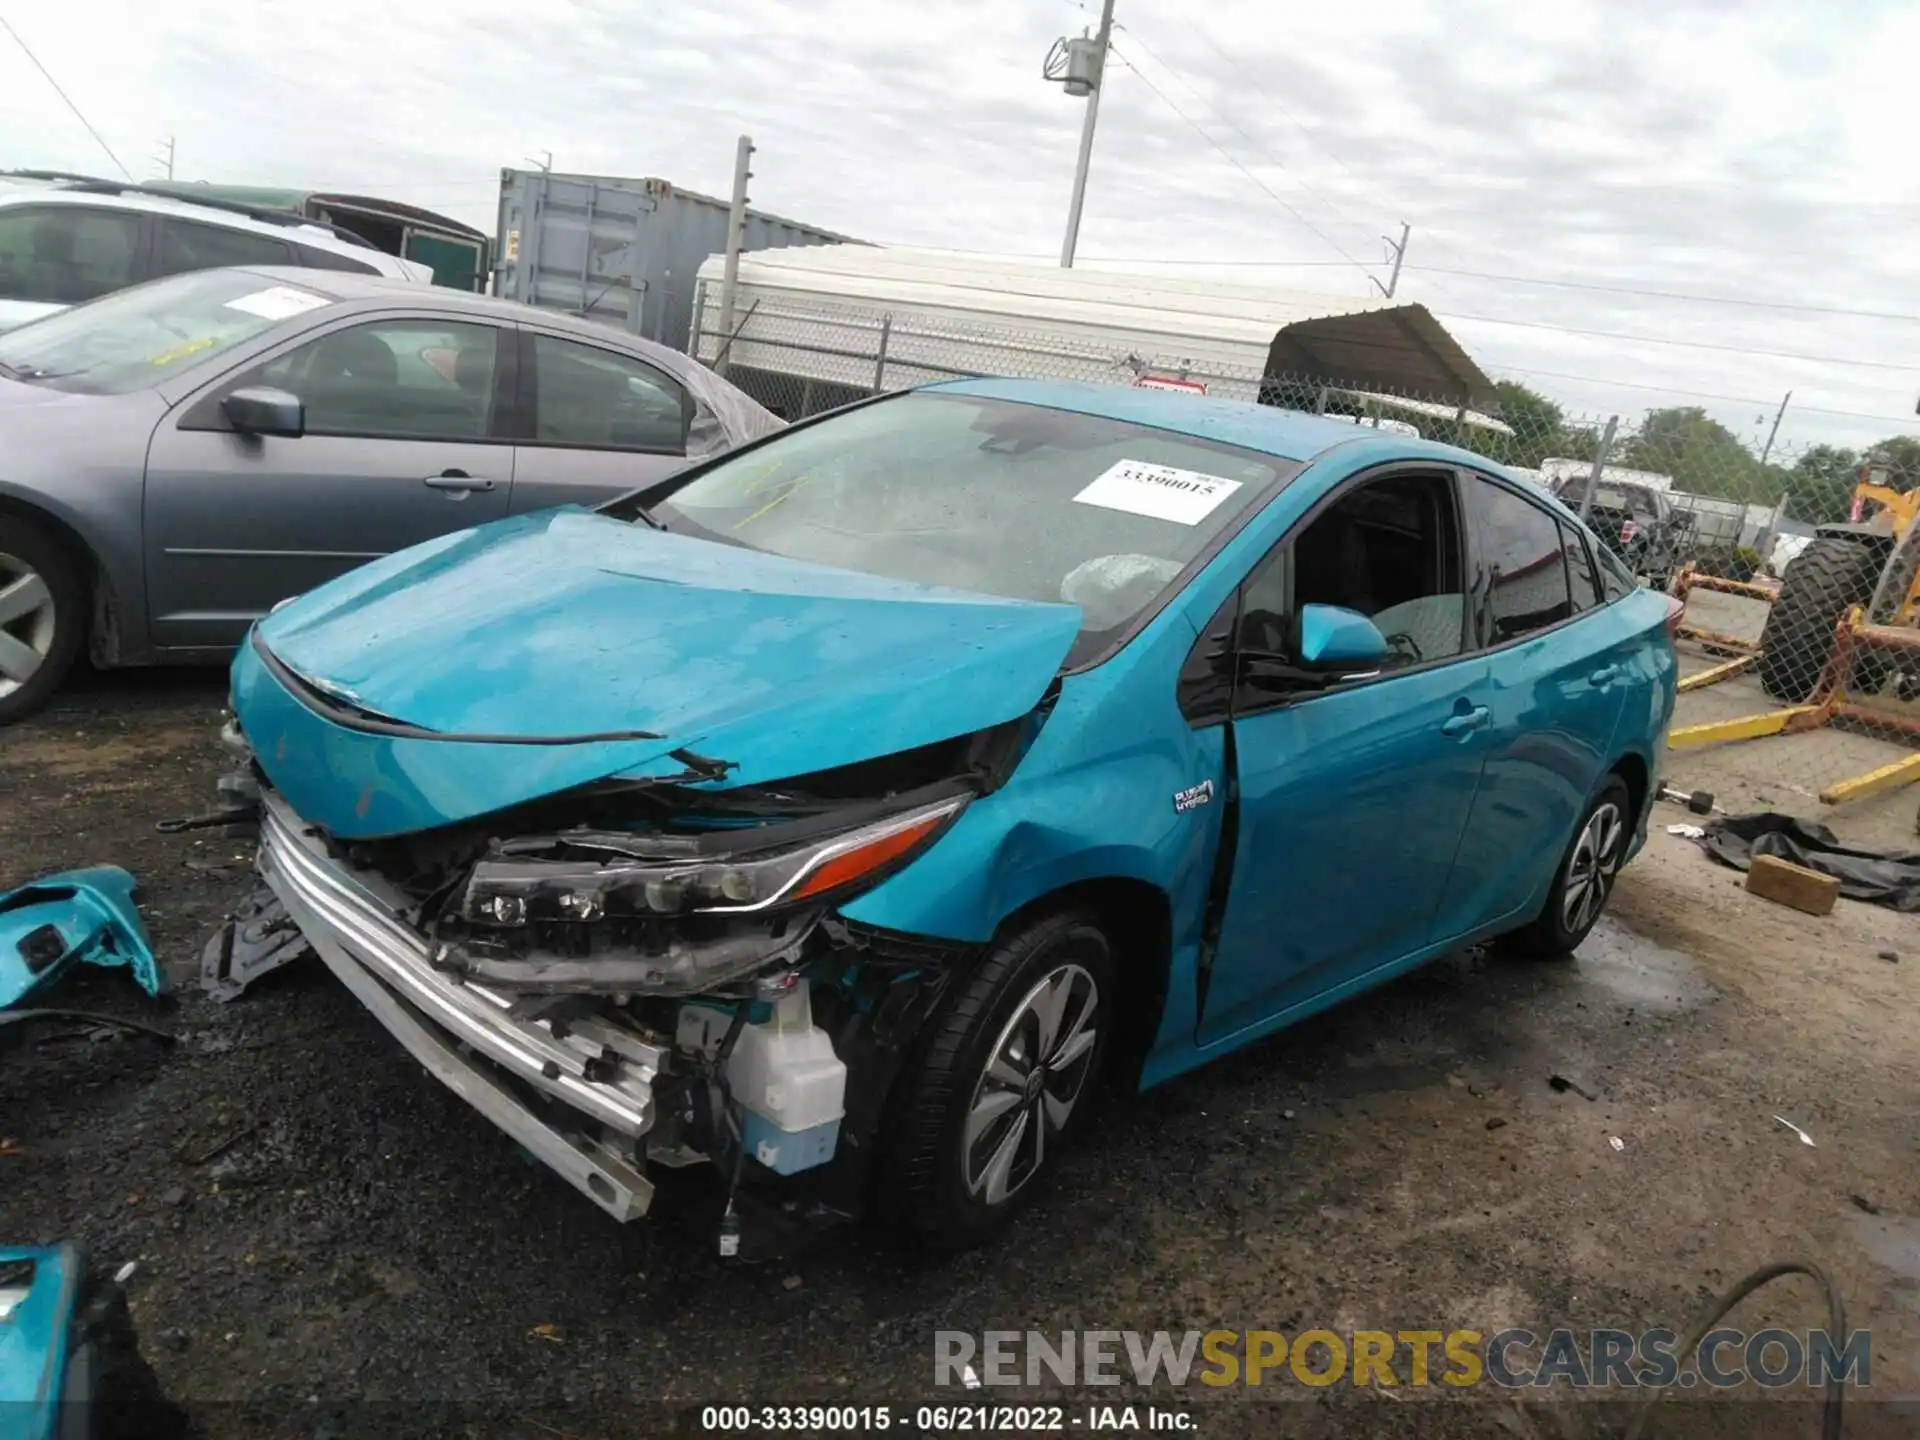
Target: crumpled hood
568,623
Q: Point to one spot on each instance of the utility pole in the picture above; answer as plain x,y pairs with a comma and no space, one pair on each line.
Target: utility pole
736,240
544,160
1778,415
1599,465
1399,254
167,152
1098,79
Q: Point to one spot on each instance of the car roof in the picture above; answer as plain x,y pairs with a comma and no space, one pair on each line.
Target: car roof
35,191
1288,434
346,287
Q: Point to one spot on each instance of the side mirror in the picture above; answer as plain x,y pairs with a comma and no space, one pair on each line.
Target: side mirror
1332,637
260,410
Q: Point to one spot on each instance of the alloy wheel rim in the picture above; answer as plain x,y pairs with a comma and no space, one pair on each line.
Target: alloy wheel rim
1591,867
1035,1075
26,622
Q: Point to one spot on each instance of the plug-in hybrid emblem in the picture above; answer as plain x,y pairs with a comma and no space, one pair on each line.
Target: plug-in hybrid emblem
1193,797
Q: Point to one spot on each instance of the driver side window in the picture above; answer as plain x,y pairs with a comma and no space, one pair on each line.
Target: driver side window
1389,549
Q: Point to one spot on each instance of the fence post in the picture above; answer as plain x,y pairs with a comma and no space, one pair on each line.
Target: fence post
1320,400
880,360
1599,463
736,241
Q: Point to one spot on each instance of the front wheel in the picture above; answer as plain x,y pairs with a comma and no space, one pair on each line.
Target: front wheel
1006,1077
43,617
1584,882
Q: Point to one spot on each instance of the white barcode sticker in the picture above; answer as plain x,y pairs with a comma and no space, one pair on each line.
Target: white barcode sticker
1186,497
281,302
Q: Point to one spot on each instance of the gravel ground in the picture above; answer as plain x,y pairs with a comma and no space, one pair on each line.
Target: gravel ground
330,1243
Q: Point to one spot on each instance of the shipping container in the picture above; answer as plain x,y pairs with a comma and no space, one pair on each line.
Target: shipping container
624,252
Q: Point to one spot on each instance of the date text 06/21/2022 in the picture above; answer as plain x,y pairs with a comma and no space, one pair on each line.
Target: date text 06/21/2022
983,1419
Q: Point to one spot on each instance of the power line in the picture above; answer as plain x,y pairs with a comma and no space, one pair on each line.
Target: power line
1696,394
1686,344
1229,157
27,50
1229,122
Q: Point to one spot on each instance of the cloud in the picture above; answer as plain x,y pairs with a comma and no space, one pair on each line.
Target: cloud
1753,149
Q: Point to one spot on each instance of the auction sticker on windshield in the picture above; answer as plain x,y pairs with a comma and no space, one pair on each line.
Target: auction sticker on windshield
1163,492
280,302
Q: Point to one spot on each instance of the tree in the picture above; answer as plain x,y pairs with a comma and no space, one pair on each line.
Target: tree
1901,455
1821,484
1702,456
1537,425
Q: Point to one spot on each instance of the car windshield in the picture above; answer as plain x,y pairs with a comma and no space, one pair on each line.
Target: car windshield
135,338
985,495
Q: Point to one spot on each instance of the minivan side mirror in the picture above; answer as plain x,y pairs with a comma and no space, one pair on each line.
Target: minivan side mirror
261,410
1331,636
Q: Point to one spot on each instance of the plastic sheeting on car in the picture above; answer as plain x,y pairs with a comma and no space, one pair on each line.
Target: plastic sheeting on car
1880,877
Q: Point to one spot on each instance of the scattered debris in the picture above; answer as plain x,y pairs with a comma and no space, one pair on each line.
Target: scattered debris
1616,1142
88,1017
174,1195
1494,1122
1805,1139
792,1282
222,1145
1881,877
1892,957
258,937
1786,883
1686,832
10,1146
1561,1084
548,1331
73,917
1860,1202
1286,1114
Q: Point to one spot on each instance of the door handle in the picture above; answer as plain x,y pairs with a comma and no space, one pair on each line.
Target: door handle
1466,722
457,481
1605,675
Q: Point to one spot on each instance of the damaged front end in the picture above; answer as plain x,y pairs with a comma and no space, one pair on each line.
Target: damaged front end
639,973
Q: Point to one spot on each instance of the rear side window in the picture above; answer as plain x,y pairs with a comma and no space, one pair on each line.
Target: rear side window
1583,582
1616,581
66,254
599,399
314,258
186,246
1521,570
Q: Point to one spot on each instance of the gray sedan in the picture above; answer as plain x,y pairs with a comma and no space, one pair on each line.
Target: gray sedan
177,458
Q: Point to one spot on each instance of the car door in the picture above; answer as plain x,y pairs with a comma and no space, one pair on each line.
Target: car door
1351,789
1560,666
402,444
603,422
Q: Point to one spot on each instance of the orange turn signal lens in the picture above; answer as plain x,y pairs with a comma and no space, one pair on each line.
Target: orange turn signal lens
850,865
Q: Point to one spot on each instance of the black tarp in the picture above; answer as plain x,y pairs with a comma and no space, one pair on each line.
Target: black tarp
1881,877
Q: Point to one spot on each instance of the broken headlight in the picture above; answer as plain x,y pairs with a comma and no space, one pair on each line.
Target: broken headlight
505,890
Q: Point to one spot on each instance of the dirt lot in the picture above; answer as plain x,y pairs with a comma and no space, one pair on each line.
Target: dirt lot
364,1241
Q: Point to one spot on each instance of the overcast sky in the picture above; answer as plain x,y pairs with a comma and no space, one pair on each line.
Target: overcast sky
1760,151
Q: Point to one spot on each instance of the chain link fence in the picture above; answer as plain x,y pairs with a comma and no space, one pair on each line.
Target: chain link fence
1800,644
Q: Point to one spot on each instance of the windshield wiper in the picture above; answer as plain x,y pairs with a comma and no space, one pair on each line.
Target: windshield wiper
641,512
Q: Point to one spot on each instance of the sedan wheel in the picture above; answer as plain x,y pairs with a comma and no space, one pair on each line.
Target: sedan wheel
1584,881
1591,868
1034,1077
1006,1075
27,623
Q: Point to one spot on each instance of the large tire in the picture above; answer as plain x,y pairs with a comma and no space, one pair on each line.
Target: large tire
1832,573
40,644
1584,882
959,1159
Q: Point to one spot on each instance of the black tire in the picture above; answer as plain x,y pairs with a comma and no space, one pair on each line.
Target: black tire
1571,913
1832,573
932,1185
23,544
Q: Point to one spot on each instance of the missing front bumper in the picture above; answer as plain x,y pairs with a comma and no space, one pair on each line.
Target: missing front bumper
361,935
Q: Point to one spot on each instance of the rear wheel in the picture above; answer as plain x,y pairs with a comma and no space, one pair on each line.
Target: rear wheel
43,617
1584,882
1820,583
1006,1078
